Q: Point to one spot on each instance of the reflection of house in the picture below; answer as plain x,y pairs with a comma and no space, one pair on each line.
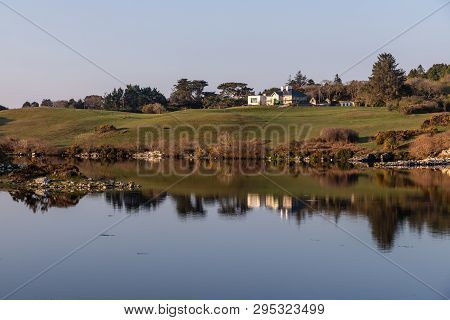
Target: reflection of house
271,202
287,202
253,200
285,96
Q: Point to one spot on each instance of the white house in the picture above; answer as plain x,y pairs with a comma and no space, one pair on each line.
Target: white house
256,100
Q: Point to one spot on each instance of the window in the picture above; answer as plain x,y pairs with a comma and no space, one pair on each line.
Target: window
254,100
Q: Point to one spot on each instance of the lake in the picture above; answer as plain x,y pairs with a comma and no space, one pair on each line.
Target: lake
220,232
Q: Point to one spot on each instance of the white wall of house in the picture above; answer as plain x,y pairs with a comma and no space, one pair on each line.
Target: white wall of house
256,100
273,99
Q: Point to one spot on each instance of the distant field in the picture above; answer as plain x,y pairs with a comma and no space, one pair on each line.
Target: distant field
64,127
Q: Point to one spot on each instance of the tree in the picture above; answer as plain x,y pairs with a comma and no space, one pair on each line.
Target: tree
188,93
234,90
337,79
419,72
91,102
438,71
3,108
299,80
130,100
34,104
212,100
46,103
270,91
386,80
113,100
26,105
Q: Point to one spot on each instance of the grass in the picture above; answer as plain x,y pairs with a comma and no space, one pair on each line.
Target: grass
64,127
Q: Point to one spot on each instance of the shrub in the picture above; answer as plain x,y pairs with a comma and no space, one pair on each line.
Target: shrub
438,120
339,135
3,108
424,107
343,155
105,128
391,143
429,145
399,135
154,108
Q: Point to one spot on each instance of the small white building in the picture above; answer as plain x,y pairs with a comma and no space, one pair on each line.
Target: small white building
256,100
346,103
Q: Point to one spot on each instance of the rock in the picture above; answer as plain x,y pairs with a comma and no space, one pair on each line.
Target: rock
42,181
41,192
368,158
444,154
386,157
148,155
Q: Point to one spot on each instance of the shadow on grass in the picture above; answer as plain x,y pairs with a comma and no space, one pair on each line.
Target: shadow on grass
365,139
4,121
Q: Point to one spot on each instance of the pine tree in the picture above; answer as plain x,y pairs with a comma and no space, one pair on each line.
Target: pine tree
337,79
387,79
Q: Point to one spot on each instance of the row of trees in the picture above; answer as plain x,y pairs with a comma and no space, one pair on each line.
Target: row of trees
386,86
185,94
388,83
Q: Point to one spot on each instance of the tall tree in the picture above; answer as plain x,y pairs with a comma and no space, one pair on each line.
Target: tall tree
337,79
130,100
438,71
386,80
46,103
234,90
186,93
418,72
299,81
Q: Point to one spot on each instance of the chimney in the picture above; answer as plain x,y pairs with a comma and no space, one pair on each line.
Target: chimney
282,88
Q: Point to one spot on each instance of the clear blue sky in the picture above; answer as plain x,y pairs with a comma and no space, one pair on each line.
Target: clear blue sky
154,43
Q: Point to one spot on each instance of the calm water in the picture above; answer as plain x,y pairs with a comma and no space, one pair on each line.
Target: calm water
231,236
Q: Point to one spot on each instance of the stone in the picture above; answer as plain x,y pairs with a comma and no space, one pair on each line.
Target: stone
387,157
42,181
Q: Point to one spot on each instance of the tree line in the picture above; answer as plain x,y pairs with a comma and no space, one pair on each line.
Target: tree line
388,85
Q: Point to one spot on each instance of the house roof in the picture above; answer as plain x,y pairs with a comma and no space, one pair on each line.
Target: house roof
294,93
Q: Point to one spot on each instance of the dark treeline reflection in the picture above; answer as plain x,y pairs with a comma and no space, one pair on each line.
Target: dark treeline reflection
134,200
41,202
389,199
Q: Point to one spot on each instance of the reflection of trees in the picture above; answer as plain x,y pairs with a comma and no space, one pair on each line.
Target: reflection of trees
189,206
42,202
134,200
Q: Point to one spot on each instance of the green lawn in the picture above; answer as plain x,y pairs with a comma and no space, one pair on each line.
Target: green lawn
63,127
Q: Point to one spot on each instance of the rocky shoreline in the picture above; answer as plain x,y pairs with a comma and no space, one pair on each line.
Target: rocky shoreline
47,179
425,163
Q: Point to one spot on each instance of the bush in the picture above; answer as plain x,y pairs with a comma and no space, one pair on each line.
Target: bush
442,120
3,108
429,145
424,107
339,135
343,155
103,128
399,135
154,108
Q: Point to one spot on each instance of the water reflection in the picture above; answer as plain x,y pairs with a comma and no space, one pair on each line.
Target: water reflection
389,200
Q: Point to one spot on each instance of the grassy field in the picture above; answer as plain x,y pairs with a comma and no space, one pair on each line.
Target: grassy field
64,127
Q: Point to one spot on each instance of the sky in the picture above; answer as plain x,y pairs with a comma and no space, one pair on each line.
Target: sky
154,43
